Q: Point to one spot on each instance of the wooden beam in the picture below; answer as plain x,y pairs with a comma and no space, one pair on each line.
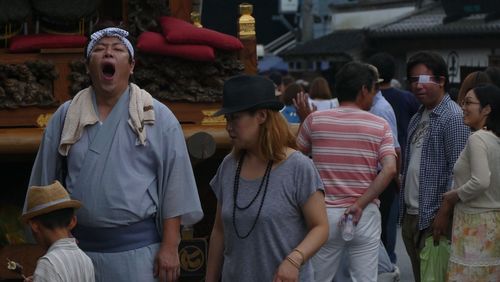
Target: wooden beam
27,140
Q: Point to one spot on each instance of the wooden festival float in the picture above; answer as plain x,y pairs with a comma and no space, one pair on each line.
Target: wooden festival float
42,65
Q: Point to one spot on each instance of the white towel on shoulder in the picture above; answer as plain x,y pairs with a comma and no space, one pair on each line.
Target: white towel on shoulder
81,113
140,111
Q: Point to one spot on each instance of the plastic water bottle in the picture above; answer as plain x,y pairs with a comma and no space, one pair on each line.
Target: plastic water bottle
347,228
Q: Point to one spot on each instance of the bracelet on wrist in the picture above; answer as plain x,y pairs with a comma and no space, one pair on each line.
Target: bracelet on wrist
301,255
293,262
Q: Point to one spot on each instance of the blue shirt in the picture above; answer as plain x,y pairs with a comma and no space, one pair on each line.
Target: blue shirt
290,114
382,108
441,147
405,105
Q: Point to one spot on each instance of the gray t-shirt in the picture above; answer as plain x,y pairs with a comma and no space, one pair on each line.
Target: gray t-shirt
413,174
281,225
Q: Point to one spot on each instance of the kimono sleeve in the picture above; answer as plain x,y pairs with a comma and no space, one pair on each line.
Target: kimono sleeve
47,165
178,193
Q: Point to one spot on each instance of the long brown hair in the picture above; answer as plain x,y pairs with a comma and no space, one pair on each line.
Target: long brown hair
274,138
320,89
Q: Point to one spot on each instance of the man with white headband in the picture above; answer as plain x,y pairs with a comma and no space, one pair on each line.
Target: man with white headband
436,136
122,154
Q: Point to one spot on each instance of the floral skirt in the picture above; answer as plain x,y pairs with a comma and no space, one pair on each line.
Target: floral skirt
475,247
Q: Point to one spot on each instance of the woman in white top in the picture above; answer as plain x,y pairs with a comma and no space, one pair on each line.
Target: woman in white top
321,96
475,199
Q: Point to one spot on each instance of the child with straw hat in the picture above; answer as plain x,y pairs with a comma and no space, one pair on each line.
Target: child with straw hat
50,213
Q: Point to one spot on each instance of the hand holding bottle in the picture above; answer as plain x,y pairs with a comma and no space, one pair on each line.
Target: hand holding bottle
347,227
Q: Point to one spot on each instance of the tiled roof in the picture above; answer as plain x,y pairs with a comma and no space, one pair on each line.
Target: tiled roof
338,42
425,22
429,22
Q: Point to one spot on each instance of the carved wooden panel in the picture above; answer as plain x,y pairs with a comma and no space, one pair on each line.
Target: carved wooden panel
59,58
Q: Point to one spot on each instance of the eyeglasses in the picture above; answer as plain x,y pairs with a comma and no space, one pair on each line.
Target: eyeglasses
467,103
423,78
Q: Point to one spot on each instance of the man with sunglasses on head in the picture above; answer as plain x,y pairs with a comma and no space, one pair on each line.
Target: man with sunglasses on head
436,136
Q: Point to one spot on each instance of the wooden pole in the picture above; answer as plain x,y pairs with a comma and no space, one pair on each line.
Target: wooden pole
125,12
181,9
246,33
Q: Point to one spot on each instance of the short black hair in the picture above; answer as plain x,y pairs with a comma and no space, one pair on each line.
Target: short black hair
350,80
489,94
291,92
56,219
276,77
385,64
494,74
432,61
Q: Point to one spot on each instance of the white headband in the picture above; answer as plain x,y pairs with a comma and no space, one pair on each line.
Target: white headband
110,32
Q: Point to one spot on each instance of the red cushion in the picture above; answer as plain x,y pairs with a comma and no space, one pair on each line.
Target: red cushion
152,42
35,42
181,32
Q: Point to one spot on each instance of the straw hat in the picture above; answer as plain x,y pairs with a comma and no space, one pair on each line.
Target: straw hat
245,92
45,199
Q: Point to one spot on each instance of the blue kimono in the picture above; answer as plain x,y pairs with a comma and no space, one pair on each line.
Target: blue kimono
122,184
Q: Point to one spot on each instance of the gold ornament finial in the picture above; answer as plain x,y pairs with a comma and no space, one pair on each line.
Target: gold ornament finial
196,19
246,22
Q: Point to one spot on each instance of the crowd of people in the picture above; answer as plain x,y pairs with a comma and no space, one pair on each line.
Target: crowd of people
321,204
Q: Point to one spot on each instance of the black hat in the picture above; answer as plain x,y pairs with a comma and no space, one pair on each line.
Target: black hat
245,92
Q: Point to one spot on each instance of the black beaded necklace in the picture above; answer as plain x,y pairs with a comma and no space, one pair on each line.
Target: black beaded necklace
265,179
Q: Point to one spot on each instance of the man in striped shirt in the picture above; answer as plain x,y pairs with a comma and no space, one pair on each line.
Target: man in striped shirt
346,144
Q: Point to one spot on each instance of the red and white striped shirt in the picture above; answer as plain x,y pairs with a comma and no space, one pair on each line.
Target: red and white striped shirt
346,144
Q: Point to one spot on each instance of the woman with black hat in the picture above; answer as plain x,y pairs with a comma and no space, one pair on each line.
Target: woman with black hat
270,215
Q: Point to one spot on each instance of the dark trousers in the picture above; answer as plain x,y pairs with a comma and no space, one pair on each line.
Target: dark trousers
414,240
389,209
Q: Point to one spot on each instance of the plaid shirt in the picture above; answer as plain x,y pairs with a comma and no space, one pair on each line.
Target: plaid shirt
442,145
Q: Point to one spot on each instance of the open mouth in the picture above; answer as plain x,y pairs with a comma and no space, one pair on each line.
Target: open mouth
108,70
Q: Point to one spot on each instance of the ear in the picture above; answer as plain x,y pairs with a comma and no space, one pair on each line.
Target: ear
486,110
35,226
132,65
365,92
261,116
72,223
441,81
361,95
